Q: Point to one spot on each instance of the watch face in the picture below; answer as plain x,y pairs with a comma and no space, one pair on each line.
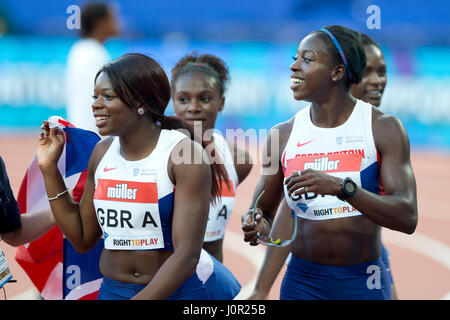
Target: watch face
350,187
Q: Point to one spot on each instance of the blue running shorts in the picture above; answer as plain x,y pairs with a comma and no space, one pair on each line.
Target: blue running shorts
306,280
191,289
222,284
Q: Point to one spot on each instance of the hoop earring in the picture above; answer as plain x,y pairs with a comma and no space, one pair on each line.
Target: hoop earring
140,111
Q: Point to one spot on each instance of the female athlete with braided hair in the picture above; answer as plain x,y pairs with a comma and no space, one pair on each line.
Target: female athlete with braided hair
199,83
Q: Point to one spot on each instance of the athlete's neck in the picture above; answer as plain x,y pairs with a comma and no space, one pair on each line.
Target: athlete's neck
334,110
140,143
98,36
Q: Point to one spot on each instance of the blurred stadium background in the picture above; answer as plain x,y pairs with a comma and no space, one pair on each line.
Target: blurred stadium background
257,39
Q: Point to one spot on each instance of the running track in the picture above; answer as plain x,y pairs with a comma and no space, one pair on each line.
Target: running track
420,262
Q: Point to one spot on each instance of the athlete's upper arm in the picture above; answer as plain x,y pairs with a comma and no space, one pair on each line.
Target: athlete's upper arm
271,179
392,143
192,181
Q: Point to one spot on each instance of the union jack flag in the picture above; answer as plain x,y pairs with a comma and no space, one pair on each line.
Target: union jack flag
52,264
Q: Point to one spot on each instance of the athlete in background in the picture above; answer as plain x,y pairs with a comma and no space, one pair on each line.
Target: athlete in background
85,58
199,83
370,90
373,83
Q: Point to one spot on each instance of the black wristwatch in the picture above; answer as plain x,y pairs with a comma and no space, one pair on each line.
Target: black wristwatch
348,189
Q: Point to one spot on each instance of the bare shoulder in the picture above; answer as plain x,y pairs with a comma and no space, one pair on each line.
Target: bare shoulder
380,118
99,151
187,159
284,128
279,135
187,152
102,146
388,130
186,147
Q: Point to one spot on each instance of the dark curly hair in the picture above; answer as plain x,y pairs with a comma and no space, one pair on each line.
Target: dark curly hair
367,41
206,63
350,42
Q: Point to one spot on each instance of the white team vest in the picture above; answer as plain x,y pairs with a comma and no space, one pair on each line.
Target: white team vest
345,151
219,213
134,199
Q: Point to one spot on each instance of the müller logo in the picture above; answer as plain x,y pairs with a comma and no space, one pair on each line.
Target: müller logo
121,191
322,164
341,161
127,191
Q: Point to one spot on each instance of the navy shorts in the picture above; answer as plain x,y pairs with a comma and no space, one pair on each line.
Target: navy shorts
191,289
306,280
222,284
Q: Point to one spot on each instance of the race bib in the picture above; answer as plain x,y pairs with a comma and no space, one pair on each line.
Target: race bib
321,207
128,214
220,213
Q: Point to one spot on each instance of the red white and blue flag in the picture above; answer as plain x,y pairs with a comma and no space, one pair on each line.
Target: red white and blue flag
51,262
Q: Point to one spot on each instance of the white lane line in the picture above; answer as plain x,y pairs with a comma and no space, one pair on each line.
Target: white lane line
446,297
420,243
423,245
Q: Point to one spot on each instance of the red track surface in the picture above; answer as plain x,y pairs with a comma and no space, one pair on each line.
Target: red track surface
420,263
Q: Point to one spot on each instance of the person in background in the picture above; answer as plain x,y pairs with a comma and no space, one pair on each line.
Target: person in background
199,83
86,56
373,83
370,90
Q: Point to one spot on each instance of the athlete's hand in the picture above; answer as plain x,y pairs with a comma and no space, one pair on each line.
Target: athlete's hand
50,148
253,230
309,180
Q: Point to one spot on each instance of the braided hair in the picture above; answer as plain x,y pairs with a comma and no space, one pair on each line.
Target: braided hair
206,63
